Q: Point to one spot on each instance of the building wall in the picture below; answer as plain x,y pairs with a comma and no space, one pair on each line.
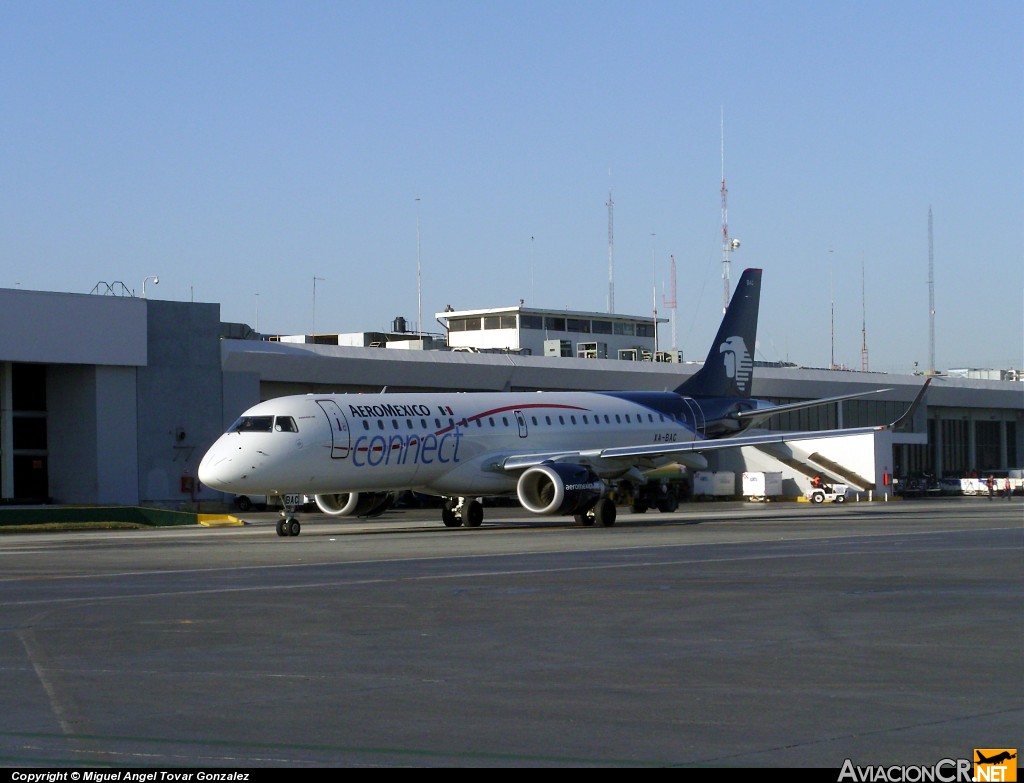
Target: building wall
179,399
91,434
54,328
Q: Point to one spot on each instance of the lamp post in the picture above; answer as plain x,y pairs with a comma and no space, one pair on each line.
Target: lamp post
419,275
156,281
314,305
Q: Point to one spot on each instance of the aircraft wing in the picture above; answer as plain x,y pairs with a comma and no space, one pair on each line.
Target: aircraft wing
760,414
660,450
657,450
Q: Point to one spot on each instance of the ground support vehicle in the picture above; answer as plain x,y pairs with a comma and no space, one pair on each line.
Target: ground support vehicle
761,487
831,493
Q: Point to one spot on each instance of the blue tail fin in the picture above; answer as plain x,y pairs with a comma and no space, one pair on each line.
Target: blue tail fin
729,369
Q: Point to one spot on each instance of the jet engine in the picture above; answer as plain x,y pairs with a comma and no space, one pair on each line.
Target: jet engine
355,504
559,488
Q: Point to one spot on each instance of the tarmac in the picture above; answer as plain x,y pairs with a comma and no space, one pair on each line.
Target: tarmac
723,635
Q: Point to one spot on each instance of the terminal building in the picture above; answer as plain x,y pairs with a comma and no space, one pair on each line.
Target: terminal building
108,399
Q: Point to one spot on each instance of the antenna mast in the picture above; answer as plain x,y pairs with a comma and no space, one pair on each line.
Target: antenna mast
611,255
670,302
931,296
864,323
728,245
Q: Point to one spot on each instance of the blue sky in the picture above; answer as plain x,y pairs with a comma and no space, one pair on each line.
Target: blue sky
413,155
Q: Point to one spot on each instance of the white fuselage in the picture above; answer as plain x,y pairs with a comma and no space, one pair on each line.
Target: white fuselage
442,443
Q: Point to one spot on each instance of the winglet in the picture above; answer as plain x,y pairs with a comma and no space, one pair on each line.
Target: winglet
904,422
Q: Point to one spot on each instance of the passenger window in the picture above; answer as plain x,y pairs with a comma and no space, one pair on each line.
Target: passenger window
504,420
380,424
491,420
572,419
548,420
561,420
366,424
534,418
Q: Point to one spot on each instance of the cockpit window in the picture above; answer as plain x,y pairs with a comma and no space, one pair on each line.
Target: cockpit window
253,424
285,424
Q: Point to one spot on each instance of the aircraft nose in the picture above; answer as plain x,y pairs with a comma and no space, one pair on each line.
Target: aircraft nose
215,468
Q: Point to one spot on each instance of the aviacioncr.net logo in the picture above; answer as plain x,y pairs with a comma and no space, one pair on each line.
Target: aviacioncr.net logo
944,771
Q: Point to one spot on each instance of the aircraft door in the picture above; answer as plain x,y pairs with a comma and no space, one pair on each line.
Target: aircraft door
521,421
696,414
341,437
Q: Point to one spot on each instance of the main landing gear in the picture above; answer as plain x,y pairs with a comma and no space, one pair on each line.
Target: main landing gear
469,512
462,512
603,513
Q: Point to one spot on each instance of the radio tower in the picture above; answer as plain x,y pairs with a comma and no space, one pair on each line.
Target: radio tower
670,303
931,296
611,256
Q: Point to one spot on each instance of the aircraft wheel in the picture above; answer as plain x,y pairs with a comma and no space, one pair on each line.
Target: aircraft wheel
668,505
243,503
281,530
640,507
473,514
294,527
604,512
448,514
583,520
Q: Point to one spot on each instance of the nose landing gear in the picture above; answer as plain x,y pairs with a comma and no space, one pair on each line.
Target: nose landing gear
288,525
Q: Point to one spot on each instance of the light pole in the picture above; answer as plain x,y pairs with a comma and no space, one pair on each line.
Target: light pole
156,281
419,275
315,278
654,267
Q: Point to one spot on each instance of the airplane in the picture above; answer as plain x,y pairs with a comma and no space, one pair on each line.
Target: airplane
558,453
996,759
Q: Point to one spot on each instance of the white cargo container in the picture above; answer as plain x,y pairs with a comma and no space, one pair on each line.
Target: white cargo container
761,486
714,484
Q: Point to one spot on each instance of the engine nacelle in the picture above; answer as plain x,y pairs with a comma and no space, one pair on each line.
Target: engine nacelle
355,504
559,488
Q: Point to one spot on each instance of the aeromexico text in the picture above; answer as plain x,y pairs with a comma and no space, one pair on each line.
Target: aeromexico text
380,411
375,450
